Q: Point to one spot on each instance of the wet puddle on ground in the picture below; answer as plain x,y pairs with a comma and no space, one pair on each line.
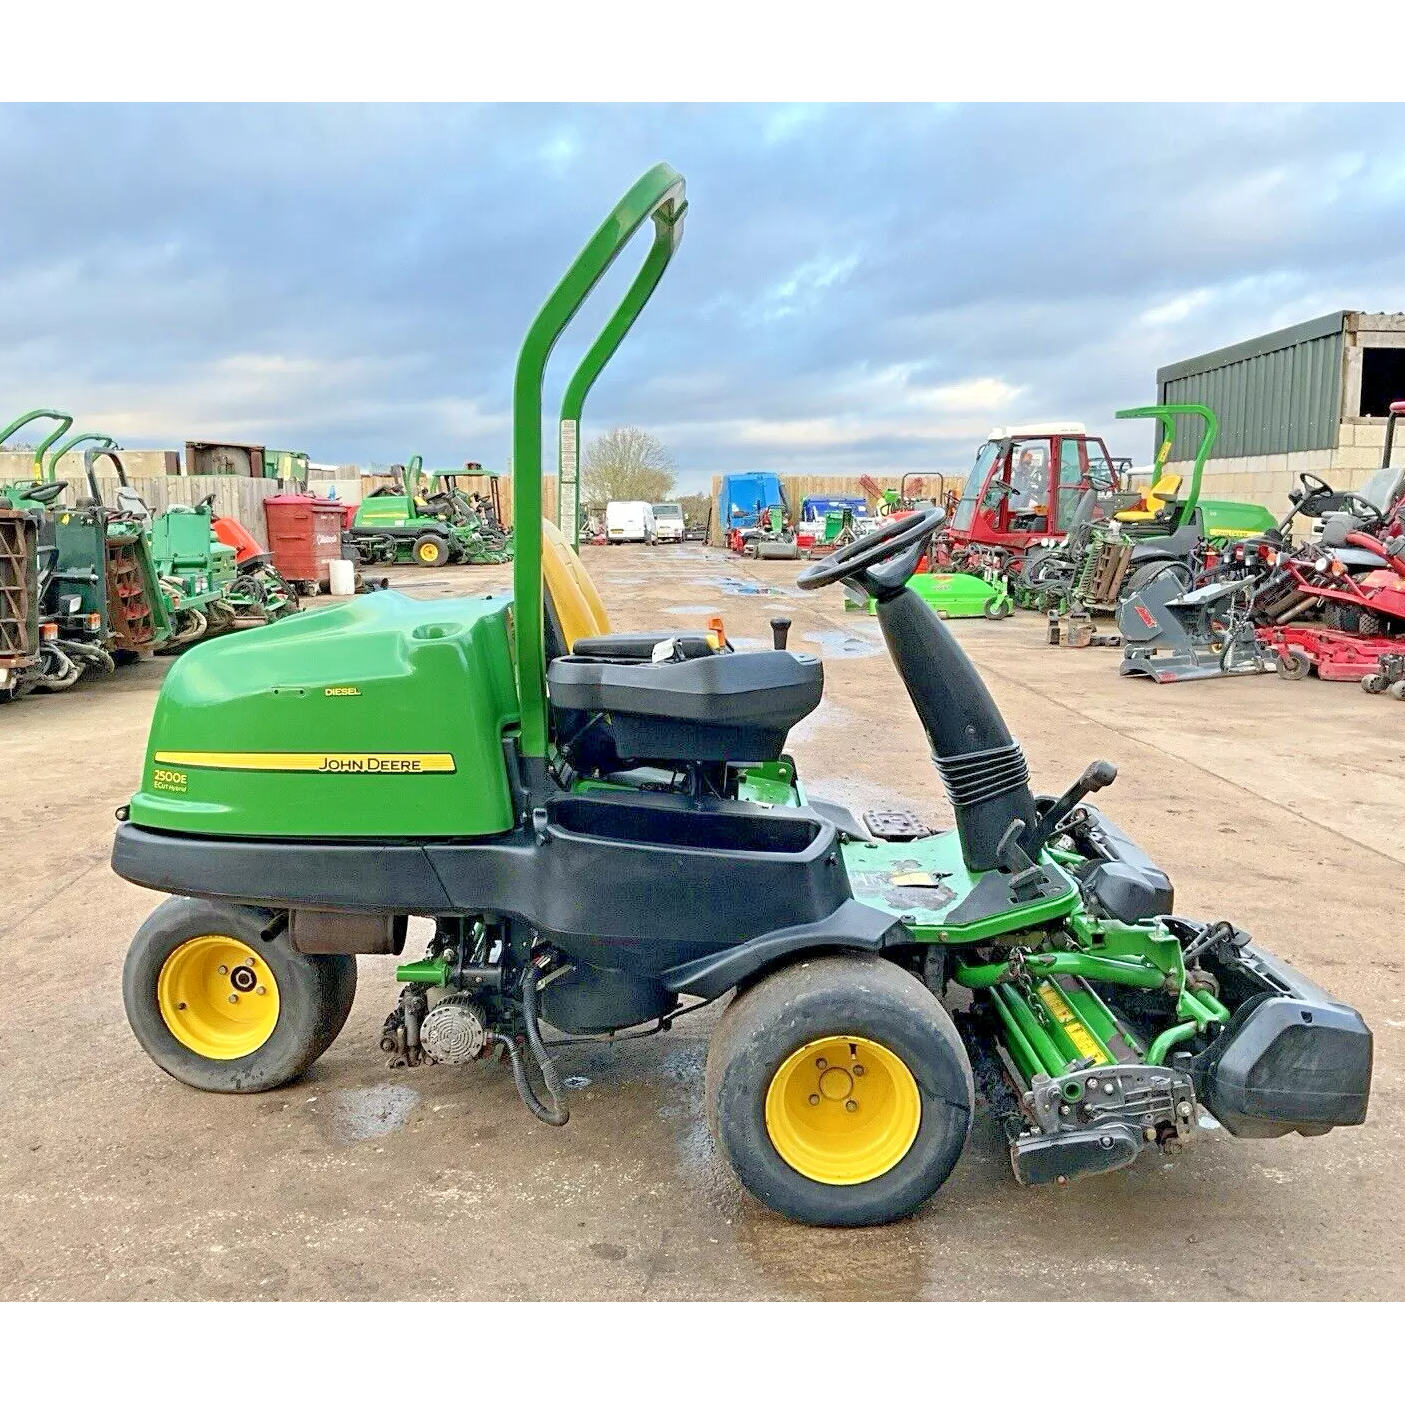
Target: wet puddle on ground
363,1114
733,585
846,643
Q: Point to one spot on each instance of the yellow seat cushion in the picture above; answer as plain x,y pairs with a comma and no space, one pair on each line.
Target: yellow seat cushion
579,610
1155,500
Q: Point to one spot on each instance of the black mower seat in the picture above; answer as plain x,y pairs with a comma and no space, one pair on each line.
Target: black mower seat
724,707
639,648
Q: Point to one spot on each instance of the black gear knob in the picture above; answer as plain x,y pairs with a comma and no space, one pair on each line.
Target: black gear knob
1098,775
780,629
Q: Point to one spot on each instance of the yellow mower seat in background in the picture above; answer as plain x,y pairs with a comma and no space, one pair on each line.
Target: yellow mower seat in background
1155,500
571,594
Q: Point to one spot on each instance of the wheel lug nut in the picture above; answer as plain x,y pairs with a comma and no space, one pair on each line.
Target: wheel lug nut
261,990
233,999
820,1063
851,1106
224,970
858,1070
814,1099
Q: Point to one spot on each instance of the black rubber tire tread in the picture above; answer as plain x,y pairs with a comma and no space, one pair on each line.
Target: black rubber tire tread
1294,666
828,995
314,994
440,545
1144,575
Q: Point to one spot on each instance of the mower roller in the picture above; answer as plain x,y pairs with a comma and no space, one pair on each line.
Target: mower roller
536,784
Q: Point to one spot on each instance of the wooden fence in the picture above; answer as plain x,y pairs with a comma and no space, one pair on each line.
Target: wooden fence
240,498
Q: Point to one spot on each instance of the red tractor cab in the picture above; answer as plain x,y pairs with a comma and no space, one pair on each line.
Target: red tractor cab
1026,485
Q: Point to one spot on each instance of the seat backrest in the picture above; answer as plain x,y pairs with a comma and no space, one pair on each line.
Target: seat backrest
1165,488
1156,499
571,594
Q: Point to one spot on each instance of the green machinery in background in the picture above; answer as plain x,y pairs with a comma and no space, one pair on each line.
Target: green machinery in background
1170,529
428,519
196,571
80,586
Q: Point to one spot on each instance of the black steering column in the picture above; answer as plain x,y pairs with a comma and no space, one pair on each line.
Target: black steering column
981,765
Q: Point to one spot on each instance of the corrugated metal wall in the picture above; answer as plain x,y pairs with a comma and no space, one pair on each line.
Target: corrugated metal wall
1276,395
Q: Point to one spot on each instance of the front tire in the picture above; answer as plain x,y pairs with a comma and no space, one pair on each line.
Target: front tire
431,550
839,1090
186,962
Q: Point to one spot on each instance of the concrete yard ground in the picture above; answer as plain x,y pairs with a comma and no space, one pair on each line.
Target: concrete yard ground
1276,804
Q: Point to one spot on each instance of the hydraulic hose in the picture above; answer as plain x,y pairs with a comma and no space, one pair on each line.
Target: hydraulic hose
89,654
559,1113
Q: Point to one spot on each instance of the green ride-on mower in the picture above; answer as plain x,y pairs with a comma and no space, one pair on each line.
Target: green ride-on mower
89,577
433,527
533,783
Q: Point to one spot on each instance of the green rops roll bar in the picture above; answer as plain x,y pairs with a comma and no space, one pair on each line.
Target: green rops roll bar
657,195
568,481
1165,416
65,424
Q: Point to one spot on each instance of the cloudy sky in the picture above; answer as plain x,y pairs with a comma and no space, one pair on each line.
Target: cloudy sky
859,288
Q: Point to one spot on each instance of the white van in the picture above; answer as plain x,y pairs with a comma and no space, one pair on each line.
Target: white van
668,522
629,522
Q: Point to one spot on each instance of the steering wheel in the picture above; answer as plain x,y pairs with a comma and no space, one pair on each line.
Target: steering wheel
207,501
1313,485
1373,514
896,537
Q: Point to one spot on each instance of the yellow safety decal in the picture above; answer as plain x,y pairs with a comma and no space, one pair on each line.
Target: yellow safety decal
912,880
1051,997
411,763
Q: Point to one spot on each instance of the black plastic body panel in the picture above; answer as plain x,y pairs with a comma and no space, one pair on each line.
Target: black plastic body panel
1298,1061
644,883
1125,884
724,707
639,648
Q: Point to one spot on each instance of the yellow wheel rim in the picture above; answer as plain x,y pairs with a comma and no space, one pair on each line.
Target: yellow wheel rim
843,1110
218,997
429,552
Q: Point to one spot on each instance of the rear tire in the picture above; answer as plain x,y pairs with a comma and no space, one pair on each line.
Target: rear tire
1374,683
792,1146
177,997
1293,666
1397,690
430,550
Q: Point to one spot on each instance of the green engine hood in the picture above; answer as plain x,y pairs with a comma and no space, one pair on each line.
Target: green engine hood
380,717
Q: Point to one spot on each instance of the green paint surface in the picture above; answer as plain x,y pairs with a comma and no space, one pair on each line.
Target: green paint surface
380,675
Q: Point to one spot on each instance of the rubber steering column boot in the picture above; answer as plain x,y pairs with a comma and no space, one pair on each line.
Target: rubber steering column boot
981,765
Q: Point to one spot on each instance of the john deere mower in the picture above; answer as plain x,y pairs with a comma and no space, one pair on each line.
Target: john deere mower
431,525
307,789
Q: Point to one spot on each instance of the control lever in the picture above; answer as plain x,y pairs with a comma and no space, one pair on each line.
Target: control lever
1026,877
780,629
1098,776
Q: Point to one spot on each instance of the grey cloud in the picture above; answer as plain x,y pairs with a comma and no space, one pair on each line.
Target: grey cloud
355,280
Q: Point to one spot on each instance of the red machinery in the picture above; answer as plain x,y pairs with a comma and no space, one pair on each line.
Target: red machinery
1024,488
